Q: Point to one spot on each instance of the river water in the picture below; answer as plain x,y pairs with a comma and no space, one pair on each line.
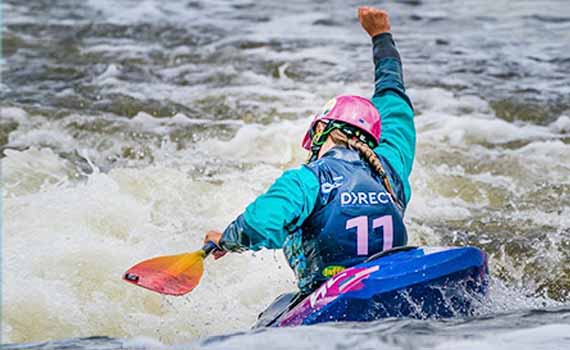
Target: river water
129,128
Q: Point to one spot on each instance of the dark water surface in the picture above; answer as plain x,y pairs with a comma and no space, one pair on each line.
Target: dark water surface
128,128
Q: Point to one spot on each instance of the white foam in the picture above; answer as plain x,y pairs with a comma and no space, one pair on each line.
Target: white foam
462,131
142,342
13,113
552,336
439,101
273,143
26,172
546,153
80,239
561,125
80,236
110,75
48,137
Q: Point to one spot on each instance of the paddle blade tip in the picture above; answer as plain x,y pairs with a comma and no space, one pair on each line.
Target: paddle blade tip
131,277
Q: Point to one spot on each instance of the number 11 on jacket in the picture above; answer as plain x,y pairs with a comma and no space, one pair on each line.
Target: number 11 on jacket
361,224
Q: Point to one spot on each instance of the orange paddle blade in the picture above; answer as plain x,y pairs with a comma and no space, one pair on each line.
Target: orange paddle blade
173,275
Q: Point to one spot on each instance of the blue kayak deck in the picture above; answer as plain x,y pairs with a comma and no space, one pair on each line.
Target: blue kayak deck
423,282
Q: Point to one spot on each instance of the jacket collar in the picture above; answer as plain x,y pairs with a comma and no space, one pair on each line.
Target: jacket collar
339,152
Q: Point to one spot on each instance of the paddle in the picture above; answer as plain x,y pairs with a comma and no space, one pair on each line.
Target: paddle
173,275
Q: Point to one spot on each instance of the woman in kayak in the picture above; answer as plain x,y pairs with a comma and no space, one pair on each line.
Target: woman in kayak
348,202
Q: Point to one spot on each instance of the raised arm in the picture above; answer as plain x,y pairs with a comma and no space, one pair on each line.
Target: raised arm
398,139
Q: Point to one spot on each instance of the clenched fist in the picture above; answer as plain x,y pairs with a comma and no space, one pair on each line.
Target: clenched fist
374,21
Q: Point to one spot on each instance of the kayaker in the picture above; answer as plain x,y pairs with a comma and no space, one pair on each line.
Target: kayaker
348,202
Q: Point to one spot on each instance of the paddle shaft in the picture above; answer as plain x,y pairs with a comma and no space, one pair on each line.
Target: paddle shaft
208,248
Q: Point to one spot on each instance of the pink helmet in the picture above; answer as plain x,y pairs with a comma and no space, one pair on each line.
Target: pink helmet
352,110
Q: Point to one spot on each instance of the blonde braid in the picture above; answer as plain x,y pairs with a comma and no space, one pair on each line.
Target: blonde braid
340,138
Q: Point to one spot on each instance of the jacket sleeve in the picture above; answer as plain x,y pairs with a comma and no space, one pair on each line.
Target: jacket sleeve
398,138
272,216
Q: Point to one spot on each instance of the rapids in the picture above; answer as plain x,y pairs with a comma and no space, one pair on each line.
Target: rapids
129,128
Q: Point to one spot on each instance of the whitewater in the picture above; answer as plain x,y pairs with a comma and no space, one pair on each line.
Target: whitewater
128,129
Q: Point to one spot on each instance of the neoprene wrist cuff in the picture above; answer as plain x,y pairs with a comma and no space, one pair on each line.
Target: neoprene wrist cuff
383,46
234,239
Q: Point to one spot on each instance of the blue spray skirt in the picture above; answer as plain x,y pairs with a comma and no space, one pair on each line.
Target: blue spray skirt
413,282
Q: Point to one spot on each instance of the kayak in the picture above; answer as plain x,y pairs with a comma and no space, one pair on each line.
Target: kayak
416,282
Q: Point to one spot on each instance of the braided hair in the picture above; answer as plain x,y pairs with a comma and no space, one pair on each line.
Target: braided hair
349,137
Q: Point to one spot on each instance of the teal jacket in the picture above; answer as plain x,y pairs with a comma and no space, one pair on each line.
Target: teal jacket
281,210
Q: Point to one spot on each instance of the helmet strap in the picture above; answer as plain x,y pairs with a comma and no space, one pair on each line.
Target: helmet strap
319,138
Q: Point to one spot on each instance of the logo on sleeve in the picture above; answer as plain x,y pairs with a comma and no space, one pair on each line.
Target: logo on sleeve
327,187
